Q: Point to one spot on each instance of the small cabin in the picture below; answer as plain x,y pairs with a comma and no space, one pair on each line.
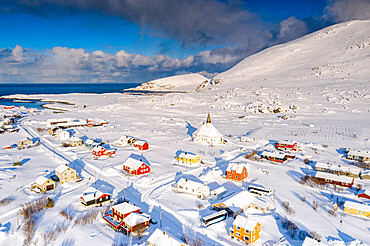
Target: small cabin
236,172
357,208
75,141
103,151
141,145
136,165
43,184
245,230
188,159
94,197
287,145
192,187
66,173
61,134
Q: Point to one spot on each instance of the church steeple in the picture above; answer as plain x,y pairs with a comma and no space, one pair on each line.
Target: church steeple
209,118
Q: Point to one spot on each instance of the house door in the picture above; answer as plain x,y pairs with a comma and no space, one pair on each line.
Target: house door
49,187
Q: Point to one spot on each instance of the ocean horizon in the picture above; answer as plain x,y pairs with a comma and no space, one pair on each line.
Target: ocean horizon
56,88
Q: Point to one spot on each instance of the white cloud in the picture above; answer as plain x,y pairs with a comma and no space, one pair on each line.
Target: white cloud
345,10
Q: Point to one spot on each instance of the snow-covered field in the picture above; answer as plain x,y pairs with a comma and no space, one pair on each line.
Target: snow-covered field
314,90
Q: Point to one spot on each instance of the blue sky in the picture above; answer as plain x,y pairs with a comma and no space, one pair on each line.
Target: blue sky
143,39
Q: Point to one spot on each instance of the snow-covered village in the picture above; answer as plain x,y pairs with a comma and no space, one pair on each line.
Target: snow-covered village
273,151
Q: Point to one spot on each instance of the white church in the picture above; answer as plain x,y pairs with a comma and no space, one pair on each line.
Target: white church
208,134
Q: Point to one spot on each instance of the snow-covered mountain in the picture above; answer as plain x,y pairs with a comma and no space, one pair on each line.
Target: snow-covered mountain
185,82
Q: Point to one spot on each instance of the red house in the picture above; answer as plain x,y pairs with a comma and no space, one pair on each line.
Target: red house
236,172
100,151
136,165
328,178
141,145
126,217
287,145
364,194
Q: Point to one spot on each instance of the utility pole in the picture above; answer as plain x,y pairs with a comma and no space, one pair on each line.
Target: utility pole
341,221
274,195
160,219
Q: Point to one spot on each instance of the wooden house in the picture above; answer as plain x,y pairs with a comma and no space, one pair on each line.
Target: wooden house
61,134
163,238
126,217
43,184
66,173
358,155
136,165
274,156
349,171
141,145
357,208
192,187
364,194
25,143
328,178
245,230
103,151
240,202
236,172
188,159
94,197
75,141
287,145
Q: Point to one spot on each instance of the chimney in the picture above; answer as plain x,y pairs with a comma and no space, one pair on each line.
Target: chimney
164,233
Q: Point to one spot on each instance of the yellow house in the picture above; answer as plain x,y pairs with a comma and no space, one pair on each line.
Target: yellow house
357,208
187,158
75,141
66,173
43,184
245,230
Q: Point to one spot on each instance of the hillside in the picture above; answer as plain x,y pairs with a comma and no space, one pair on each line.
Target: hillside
183,83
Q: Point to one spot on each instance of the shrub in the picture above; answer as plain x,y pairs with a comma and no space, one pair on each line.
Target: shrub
332,212
65,145
287,207
315,205
252,156
192,241
6,200
49,203
67,214
306,161
315,235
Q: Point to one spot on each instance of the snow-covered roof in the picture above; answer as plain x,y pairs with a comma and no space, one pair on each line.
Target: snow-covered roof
190,184
338,178
135,161
312,242
359,153
245,223
92,193
187,155
287,142
237,167
41,180
62,168
339,168
242,199
358,206
207,130
273,154
89,141
125,208
134,219
140,142
162,238
219,190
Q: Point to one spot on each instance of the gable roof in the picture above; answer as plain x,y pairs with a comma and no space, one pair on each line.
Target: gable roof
363,153
187,155
245,223
207,130
74,138
135,161
242,199
358,206
237,167
42,180
160,238
134,219
273,154
190,184
125,208
62,168
92,193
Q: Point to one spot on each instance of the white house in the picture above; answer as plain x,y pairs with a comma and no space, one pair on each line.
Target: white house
62,134
192,187
312,242
208,134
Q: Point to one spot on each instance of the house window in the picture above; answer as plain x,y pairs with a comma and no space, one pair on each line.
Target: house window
231,231
246,238
238,234
246,231
229,175
254,238
236,176
238,227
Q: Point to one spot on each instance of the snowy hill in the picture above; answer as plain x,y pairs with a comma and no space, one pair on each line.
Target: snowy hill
339,52
185,82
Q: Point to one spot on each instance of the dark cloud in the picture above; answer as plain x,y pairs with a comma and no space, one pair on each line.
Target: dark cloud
189,21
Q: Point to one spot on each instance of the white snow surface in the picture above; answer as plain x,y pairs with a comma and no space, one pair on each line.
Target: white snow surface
314,90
